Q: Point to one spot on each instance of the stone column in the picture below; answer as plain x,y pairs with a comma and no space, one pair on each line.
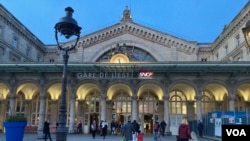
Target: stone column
72,111
198,98
41,113
103,107
231,99
166,113
231,82
134,108
28,110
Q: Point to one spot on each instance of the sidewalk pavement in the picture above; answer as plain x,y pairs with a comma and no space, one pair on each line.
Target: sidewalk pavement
88,137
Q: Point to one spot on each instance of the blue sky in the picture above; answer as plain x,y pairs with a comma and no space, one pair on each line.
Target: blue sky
193,20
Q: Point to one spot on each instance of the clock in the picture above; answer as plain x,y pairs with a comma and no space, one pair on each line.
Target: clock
119,58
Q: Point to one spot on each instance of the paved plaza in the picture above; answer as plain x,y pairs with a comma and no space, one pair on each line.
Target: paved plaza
88,137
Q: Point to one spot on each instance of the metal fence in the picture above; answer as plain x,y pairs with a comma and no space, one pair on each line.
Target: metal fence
212,121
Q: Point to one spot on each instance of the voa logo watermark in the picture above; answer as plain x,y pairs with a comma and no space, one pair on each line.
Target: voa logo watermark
234,132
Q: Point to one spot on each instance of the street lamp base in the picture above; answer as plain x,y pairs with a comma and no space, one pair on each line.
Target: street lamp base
61,134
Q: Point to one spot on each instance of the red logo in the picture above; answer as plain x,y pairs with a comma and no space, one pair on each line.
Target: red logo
145,74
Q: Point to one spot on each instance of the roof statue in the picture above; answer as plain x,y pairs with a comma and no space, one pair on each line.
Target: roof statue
126,15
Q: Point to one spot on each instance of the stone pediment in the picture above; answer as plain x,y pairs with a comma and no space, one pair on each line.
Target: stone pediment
129,27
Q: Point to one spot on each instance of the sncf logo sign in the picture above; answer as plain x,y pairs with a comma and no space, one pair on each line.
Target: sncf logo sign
145,74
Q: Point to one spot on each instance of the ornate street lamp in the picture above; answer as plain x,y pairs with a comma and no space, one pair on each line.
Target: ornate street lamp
246,32
67,27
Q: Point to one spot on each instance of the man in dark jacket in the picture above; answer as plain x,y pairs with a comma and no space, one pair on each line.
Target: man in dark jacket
46,130
128,131
137,129
163,125
200,128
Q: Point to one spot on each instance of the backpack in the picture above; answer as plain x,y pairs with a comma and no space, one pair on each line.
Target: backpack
156,125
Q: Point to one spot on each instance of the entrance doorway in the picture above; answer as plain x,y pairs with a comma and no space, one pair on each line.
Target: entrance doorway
148,123
94,116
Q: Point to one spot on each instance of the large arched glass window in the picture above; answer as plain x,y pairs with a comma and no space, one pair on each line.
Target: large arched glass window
148,103
122,106
133,53
239,103
208,103
177,103
93,103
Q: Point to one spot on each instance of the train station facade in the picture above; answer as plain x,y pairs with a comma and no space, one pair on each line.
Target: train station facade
125,70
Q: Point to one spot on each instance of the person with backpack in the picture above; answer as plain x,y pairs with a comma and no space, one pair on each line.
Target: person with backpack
137,129
156,130
128,131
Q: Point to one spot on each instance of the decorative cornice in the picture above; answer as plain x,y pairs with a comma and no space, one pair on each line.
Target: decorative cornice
140,32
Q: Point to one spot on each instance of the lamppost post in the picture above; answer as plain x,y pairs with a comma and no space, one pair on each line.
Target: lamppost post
67,27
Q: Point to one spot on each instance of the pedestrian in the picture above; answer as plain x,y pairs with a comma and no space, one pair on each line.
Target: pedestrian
104,128
100,128
128,131
137,130
156,130
79,127
46,130
113,126
147,128
121,127
163,125
184,131
94,128
200,129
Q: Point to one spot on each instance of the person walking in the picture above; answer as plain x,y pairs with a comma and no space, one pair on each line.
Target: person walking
200,129
104,128
79,127
128,131
46,130
184,131
163,125
137,130
94,128
156,130
113,127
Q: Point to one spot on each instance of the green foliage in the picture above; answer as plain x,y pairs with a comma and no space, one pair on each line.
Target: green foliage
16,118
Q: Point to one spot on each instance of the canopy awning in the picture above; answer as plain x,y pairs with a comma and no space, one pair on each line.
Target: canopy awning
163,67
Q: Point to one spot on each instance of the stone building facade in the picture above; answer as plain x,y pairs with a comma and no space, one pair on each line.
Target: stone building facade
125,70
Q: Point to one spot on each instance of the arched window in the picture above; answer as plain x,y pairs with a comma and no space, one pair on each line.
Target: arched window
177,103
239,103
121,105
149,103
93,103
